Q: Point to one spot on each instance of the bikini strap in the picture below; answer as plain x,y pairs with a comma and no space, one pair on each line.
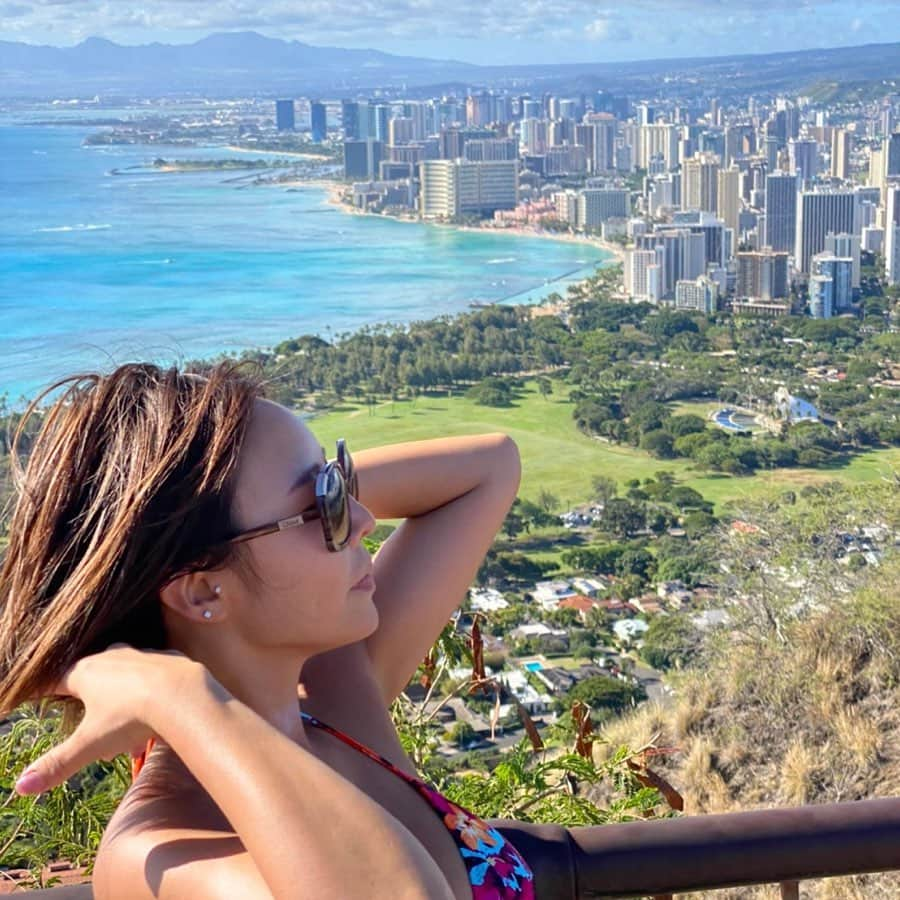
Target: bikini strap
356,745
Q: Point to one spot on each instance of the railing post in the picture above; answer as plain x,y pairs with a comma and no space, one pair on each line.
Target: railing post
790,890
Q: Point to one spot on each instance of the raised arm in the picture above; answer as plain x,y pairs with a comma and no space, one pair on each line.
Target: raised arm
453,494
304,830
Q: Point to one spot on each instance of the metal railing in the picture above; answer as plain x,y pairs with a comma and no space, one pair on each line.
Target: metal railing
662,857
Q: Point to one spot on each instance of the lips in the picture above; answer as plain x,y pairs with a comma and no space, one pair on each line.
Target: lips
366,583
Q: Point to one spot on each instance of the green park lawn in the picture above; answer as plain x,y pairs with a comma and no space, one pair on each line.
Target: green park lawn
559,458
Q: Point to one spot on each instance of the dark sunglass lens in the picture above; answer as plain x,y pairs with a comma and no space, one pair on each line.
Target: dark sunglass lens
337,509
346,463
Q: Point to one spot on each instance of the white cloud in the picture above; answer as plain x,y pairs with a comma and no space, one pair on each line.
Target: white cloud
598,30
720,26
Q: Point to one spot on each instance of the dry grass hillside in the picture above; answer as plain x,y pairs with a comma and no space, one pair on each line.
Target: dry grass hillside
799,701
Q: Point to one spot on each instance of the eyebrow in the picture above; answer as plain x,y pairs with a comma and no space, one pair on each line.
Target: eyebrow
307,475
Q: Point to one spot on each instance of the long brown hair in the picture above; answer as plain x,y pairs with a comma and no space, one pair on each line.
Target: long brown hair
128,482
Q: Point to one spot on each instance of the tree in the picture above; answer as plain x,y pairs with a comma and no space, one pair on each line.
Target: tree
462,734
658,443
513,524
604,694
678,426
623,517
604,488
636,562
545,386
548,501
670,641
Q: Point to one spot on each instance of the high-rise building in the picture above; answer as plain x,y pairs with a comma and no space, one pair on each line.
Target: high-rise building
534,136
840,153
401,130
379,117
422,115
478,109
846,246
700,295
700,182
646,114
597,205
603,143
891,152
821,297
820,213
740,141
318,122
566,203
781,211
683,256
568,109
762,275
837,270
644,274
728,198
491,149
453,188
771,149
569,159
892,233
362,158
284,115
452,141
717,239
350,120
803,158
876,168
656,140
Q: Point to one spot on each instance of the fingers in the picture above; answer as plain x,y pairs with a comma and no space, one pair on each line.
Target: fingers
56,766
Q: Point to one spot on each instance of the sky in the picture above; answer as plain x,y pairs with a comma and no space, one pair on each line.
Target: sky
496,32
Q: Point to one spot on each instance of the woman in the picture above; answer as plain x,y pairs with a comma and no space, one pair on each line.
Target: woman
193,519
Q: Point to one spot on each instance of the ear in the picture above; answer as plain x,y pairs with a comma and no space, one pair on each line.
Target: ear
194,596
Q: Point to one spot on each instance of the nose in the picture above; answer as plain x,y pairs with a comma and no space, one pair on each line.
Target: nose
362,521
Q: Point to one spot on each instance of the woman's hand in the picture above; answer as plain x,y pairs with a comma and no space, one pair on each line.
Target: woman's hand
114,687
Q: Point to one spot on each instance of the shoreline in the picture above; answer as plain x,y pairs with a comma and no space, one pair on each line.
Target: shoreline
335,190
316,156
335,193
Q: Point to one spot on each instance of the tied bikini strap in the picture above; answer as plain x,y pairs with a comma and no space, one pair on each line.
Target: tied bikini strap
137,762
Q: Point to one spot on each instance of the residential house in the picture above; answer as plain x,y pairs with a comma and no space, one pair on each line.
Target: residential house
486,600
542,635
547,594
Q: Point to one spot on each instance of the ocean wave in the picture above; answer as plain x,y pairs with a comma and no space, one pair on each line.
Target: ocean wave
80,227
500,260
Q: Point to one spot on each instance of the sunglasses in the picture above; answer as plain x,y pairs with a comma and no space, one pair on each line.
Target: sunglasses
335,484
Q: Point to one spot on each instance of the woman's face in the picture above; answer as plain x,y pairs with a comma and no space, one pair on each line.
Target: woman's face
304,595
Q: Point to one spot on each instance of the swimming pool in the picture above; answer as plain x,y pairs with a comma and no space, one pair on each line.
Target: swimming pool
533,666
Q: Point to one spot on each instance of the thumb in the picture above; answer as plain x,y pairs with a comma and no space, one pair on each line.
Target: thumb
54,767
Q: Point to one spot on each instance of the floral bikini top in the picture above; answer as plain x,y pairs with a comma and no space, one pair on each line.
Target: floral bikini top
496,869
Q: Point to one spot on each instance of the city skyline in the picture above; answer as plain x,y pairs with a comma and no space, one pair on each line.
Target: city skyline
503,33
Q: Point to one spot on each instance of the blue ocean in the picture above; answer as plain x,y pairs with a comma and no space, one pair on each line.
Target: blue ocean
97,268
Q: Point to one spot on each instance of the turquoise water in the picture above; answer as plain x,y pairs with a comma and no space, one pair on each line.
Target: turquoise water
97,268
533,666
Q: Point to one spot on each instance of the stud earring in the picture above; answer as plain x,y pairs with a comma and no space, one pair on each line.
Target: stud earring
217,589
207,614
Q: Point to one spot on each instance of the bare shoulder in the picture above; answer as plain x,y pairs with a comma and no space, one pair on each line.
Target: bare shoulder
158,847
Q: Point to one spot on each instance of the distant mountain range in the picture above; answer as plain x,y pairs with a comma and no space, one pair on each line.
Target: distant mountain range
238,63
